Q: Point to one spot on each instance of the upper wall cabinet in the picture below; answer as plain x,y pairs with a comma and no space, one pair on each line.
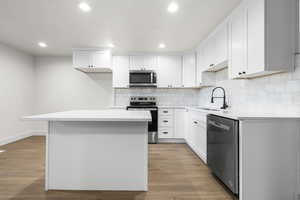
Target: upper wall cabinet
169,72
215,49
263,38
189,70
203,78
143,62
120,71
92,60
238,44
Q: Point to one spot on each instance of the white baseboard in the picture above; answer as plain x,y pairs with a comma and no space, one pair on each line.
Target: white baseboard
12,139
38,133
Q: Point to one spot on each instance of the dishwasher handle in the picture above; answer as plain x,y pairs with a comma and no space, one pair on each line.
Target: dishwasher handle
219,125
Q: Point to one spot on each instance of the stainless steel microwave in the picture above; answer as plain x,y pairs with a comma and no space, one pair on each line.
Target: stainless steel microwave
142,78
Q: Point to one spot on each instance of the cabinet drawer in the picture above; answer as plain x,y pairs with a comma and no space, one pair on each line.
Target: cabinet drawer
165,133
165,122
165,112
198,123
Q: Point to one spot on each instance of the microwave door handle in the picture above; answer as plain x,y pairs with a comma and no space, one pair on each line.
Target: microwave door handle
151,78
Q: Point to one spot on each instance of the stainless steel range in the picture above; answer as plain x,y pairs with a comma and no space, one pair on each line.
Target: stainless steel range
149,104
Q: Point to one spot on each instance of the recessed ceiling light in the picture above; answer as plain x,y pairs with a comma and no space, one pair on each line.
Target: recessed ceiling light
42,44
85,7
161,46
111,45
173,7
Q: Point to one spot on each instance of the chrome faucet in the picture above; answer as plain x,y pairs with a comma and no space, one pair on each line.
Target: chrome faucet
224,97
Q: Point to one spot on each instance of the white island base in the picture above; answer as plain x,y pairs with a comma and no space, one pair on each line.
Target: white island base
96,150
97,156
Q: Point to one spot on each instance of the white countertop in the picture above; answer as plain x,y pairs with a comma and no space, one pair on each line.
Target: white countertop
232,114
94,115
247,115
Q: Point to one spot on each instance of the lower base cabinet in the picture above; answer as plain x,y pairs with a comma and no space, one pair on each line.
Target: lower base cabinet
196,133
171,123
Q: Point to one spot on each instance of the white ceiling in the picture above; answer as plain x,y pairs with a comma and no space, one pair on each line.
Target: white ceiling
132,25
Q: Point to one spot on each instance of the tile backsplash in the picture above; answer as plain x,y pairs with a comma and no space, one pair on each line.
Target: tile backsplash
165,97
278,93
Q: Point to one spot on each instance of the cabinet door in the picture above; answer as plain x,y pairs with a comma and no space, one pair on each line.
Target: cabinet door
189,70
238,40
136,62
179,123
143,62
210,52
201,141
221,44
121,71
256,36
169,71
150,62
101,59
82,59
200,66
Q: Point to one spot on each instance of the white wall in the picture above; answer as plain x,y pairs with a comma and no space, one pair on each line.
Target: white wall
16,93
273,94
59,87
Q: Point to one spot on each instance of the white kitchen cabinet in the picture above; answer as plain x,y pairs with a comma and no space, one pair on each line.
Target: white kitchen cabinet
203,78
143,62
92,60
169,73
238,42
269,43
121,71
82,59
189,70
215,49
172,123
196,133
179,123
165,133
210,52
221,52
165,124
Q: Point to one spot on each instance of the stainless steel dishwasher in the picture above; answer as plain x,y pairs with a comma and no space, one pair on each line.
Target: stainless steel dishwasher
223,150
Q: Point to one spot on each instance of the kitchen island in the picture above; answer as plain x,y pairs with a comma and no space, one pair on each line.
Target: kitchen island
96,150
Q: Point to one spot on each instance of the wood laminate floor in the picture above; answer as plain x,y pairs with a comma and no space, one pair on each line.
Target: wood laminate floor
175,173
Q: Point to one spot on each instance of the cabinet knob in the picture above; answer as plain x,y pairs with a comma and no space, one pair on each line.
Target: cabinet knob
165,132
211,65
195,122
165,121
240,73
244,72
165,111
